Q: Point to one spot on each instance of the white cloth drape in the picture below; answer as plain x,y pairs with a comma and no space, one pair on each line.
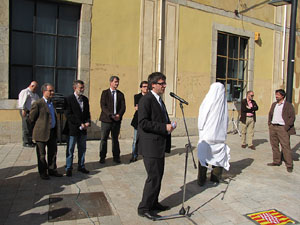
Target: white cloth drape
212,126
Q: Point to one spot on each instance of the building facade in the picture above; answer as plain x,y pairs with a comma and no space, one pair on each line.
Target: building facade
241,43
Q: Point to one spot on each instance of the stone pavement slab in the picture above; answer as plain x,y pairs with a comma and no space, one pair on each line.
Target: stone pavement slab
249,186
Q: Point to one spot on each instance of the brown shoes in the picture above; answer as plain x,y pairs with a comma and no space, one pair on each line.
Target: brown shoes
244,146
252,147
289,169
273,164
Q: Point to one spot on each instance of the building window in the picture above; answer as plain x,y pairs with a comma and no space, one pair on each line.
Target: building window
232,64
43,44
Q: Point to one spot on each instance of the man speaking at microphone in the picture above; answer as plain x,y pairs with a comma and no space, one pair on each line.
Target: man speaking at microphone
153,139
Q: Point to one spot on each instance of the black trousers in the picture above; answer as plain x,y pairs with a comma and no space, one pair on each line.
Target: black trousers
26,130
155,170
106,128
50,164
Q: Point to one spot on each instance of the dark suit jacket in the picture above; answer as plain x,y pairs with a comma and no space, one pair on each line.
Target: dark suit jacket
152,137
40,119
107,105
288,116
76,117
134,121
245,110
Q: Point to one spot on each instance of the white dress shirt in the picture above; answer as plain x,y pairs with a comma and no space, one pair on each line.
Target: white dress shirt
277,115
26,99
115,100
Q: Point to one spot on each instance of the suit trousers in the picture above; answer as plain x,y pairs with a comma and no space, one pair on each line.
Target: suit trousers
279,135
248,130
26,130
106,128
155,170
51,144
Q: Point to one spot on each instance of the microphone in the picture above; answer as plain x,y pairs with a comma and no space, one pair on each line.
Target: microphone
178,98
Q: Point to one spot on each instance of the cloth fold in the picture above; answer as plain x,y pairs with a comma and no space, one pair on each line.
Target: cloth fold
212,126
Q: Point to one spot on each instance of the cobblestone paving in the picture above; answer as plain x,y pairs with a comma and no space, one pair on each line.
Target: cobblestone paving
249,186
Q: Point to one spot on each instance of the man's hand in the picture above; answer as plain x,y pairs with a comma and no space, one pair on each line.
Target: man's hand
170,128
116,117
23,112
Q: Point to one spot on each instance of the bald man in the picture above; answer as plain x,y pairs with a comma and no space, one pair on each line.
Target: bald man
26,98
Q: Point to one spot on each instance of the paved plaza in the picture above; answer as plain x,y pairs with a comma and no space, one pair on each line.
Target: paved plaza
249,186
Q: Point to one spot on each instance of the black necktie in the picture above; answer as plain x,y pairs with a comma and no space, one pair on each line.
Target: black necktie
163,108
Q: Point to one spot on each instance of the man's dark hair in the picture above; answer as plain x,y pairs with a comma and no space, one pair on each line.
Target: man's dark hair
75,82
143,82
153,78
44,86
281,92
111,79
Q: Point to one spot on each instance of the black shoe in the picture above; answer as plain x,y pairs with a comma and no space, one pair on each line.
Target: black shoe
148,215
69,173
44,176
118,161
289,169
29,145
102,160
201,182
133,159
273,164
83,170
160,207
55,174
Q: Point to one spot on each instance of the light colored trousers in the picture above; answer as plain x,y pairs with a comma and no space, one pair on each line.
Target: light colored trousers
248,130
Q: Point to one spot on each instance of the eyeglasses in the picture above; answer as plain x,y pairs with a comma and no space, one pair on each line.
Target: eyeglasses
162,83
252,95
50,90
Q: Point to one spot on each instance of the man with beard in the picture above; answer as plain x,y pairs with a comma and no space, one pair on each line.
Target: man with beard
78,120
281,126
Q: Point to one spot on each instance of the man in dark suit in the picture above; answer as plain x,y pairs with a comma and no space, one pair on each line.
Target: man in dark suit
281,125
113,107
154,139
134,121
43,118
78,120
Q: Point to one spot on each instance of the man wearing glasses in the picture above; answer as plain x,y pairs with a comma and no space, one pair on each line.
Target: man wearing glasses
248,119
153,140
43,118
134,122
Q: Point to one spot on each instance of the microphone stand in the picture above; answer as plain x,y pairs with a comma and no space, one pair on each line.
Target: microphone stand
188,147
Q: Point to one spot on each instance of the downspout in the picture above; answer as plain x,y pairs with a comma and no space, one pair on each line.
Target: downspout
160,36
283,45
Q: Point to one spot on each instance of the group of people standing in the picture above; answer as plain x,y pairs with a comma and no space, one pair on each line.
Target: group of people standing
152,130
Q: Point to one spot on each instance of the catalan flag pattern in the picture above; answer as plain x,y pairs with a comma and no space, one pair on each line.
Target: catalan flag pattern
270,217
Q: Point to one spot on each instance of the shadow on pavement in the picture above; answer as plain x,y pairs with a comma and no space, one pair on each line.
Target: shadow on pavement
257,142
192,188
22,197
296,156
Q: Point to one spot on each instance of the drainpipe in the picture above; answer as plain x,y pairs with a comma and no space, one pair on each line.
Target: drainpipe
160,36
283,45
